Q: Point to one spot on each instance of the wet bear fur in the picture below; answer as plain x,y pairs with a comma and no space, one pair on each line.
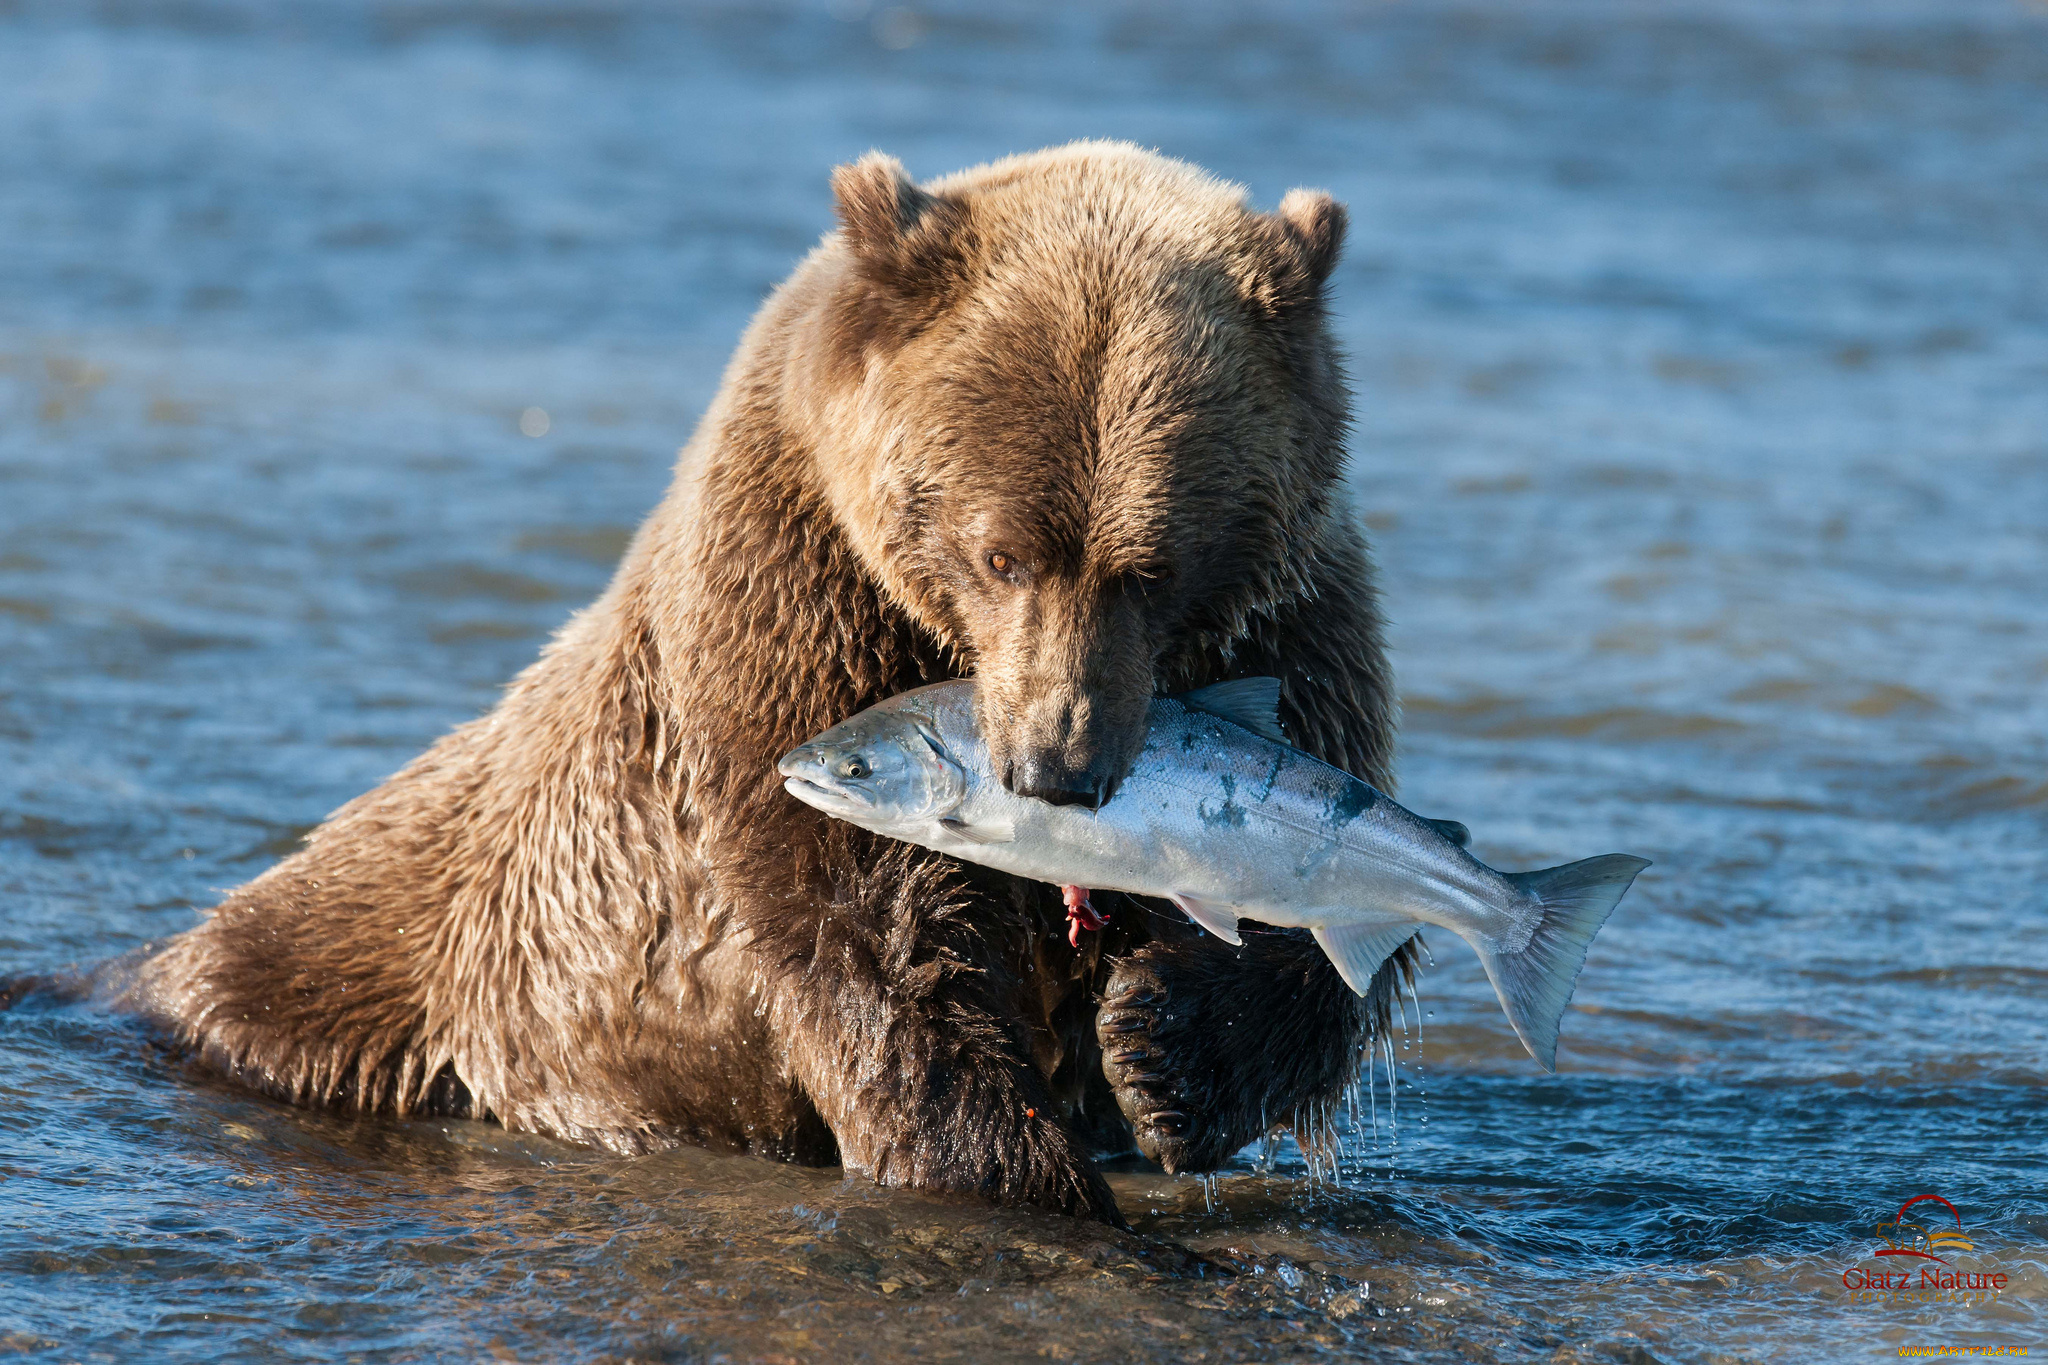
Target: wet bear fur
1072,422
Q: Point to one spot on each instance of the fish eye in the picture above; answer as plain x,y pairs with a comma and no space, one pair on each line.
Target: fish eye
855,767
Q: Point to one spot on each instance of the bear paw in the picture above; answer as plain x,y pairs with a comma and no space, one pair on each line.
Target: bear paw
1163,1064
1207,1046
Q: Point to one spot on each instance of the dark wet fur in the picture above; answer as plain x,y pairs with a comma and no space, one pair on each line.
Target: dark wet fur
1201,1065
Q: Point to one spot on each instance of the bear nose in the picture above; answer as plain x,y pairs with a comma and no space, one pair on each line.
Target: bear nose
1057,784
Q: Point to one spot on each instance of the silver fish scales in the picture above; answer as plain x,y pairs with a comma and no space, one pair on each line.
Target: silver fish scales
1225,819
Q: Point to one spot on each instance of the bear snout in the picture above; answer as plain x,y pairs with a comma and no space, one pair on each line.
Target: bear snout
1075,744
1055,781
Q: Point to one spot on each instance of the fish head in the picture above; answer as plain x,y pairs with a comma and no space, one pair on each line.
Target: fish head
886,769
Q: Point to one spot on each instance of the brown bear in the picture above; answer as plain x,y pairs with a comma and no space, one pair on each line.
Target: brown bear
1072,422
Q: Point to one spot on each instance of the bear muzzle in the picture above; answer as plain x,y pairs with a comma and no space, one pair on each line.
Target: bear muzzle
1075,746
1053,780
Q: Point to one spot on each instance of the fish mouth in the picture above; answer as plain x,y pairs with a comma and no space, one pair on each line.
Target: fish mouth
825,798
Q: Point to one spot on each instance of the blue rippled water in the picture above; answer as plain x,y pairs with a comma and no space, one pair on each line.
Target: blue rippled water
1701,352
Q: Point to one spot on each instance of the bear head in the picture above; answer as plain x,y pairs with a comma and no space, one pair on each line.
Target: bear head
1081,415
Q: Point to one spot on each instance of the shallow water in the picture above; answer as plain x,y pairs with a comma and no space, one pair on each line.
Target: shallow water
1703,432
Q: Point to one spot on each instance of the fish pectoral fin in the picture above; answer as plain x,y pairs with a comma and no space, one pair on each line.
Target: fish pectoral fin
1219,920
1358,951
1253,703
991,832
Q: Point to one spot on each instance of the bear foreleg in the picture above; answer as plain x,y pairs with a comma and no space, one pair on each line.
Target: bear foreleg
1208,1047
898,1025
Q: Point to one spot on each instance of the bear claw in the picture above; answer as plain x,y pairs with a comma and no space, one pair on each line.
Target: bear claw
1166,1063
1143,1073
1250,1033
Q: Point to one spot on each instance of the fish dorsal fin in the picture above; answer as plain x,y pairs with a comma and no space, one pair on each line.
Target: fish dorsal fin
1450,829
1253,703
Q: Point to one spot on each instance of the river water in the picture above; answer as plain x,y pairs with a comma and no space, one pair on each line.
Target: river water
1701,353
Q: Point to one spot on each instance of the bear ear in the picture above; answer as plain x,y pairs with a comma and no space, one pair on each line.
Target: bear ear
1314,223
877,204
903,237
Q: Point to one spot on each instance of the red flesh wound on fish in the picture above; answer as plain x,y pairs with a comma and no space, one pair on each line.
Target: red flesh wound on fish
1080,913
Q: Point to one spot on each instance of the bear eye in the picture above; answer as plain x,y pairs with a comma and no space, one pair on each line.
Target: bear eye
1148,580
855,767
1001,564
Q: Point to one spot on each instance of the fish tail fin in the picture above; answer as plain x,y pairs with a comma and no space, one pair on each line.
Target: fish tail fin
1535,984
